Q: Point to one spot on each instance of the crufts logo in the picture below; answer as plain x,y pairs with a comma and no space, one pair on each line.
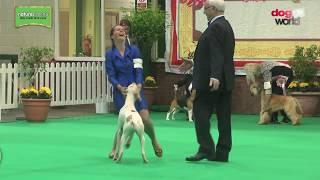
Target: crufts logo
287,17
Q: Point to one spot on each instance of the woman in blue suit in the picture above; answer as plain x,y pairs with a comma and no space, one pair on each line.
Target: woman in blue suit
124,66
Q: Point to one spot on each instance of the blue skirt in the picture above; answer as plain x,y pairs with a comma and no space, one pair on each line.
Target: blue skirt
119,100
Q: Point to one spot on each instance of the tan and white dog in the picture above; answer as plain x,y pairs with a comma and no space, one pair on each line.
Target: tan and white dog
129,122
175,106
287,103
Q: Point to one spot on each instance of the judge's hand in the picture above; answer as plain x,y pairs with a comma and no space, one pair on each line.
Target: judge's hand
214,84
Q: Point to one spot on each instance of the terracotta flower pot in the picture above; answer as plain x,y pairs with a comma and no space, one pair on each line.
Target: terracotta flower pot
309,101
36,110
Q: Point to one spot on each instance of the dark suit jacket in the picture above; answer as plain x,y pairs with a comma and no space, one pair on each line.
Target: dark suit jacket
214,56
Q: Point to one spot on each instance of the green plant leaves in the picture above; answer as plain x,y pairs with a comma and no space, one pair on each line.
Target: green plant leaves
147,25
32,60
303,62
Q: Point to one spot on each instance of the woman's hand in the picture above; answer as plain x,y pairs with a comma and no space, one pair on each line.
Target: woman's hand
122,89
139,87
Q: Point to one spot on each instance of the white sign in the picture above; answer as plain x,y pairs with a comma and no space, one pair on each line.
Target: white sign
269,19
141,4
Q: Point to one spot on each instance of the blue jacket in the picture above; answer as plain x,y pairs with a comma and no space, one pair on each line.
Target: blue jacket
120,70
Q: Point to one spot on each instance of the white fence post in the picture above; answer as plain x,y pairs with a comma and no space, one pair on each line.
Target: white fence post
8,87
102,106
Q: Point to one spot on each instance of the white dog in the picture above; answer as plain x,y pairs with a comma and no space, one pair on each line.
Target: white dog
129,122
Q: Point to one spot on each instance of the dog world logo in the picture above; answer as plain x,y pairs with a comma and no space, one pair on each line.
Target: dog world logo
287,17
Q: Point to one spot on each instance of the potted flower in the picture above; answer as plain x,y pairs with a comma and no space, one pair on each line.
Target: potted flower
150,82
305,86
32,60
36,103
296,86
150,86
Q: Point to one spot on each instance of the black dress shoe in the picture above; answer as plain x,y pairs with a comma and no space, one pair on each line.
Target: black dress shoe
274,118
200,156
222,157
285,120
285,117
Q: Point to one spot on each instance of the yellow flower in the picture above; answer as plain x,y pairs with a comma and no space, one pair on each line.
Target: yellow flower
150,82
32,92
45,90
150,78
293,84
24,91
303,84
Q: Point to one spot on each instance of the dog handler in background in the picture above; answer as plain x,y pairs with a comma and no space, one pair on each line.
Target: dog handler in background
124,66
126,24
277,77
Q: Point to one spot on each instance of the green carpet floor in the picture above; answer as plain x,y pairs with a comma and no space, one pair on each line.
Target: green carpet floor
76,148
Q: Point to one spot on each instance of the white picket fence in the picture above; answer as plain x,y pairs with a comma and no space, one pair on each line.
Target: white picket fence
71,84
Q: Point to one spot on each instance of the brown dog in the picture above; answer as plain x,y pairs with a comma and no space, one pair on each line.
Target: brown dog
177,105
287,103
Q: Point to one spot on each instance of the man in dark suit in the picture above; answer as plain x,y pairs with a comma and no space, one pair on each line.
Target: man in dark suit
213,80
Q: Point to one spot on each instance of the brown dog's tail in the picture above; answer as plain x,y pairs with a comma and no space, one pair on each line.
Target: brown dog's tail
298,108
